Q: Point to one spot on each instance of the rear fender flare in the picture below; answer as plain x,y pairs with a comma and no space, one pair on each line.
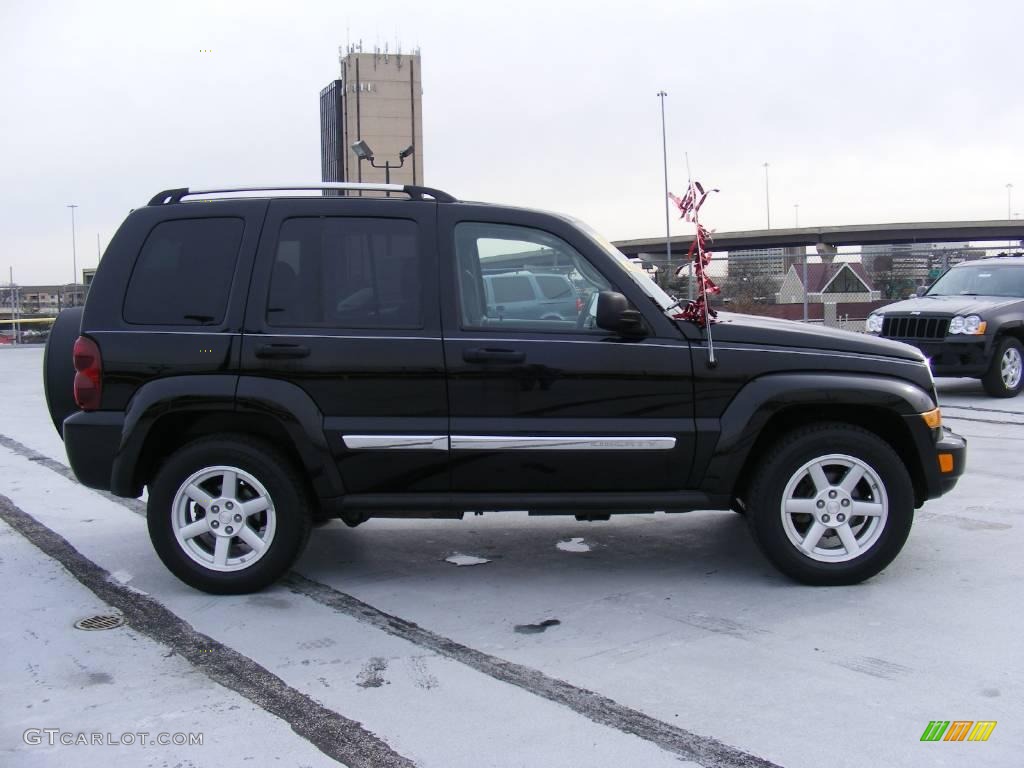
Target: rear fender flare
288,405
155,400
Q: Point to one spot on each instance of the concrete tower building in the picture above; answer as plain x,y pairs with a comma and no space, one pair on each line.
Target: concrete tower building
378,100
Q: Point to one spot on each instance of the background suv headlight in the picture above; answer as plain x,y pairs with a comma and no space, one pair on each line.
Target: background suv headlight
874,323
971,325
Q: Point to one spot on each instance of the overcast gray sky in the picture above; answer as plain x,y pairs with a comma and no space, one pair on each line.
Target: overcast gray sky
866,111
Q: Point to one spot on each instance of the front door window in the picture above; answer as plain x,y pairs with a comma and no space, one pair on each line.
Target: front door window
518,278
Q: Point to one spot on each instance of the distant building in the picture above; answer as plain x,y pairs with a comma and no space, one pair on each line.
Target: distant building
40,300
838,282
377,99
769,262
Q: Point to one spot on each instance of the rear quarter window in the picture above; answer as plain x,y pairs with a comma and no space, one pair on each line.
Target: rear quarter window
555,287
183,273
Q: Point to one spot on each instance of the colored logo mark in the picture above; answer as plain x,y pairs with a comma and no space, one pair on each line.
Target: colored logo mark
958,730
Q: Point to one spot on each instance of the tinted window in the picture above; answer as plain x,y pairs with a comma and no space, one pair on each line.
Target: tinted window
183,273
508,289
346,273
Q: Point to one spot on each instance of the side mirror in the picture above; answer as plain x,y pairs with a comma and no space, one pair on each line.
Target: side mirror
614,314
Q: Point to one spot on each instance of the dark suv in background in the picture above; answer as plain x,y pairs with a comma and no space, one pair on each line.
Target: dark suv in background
970,323
264,363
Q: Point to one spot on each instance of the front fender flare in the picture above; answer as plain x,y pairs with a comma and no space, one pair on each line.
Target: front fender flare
756,403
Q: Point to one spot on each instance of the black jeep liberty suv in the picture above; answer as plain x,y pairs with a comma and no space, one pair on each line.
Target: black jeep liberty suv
261,363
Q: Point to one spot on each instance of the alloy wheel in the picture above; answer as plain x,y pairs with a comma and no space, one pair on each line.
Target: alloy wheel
834,508
1010,368
223,518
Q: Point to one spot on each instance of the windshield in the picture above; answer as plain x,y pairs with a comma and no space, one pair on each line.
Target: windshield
636,274
981,280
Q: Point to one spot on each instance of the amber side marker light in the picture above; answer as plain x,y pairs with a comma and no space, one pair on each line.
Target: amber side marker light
945,462
933,418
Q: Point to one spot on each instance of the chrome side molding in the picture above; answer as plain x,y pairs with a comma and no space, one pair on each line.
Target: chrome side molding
517,443
397,442
506,443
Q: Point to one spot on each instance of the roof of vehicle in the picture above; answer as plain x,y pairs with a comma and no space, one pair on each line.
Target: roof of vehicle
526,273
993,261
251,191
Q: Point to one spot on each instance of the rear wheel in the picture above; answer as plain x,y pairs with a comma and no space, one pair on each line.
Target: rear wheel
1004,376
832,504
228,515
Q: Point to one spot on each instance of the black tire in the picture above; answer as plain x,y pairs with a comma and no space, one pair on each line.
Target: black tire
1010,353
882,536
59,367
289,506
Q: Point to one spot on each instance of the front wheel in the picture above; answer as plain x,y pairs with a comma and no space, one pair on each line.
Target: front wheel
1003,378
228,515
831,505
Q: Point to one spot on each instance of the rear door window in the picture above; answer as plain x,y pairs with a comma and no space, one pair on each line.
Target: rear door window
346,272
184,271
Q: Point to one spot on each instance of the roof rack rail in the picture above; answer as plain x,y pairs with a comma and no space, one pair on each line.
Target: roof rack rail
414,192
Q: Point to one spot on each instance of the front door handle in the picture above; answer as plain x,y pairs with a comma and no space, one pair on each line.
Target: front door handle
492,355
279,351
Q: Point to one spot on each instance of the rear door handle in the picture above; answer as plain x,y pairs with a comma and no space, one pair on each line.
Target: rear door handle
280,351
492,355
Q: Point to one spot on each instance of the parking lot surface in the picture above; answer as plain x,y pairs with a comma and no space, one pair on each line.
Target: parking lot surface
507,640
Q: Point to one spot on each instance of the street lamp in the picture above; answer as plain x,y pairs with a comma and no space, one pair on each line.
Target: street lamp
363,152
796,215
767,206
74,256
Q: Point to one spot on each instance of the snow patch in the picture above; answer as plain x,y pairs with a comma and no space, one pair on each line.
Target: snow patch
458,558
573,545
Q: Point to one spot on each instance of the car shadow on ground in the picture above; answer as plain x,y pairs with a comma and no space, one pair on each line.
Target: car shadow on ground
542,552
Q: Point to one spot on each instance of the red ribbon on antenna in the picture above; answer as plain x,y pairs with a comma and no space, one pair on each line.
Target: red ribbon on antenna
689,206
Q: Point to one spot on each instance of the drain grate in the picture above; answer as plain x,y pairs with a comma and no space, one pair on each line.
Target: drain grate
109,621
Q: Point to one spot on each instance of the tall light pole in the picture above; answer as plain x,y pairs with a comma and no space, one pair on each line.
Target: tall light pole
14,308
664,164
1009,207
74,256
767,205
796,215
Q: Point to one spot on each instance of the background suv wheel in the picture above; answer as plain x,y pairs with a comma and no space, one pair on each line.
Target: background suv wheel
228,515
1004,378
832,504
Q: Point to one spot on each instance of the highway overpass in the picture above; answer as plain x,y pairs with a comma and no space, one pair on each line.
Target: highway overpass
833,237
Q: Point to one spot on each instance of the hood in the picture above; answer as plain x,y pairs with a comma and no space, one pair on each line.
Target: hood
948,305
753,329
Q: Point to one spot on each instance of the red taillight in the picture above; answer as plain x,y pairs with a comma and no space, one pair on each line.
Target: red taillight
89,374
579,305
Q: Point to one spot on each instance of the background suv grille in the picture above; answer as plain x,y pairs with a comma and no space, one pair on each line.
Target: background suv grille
915,327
